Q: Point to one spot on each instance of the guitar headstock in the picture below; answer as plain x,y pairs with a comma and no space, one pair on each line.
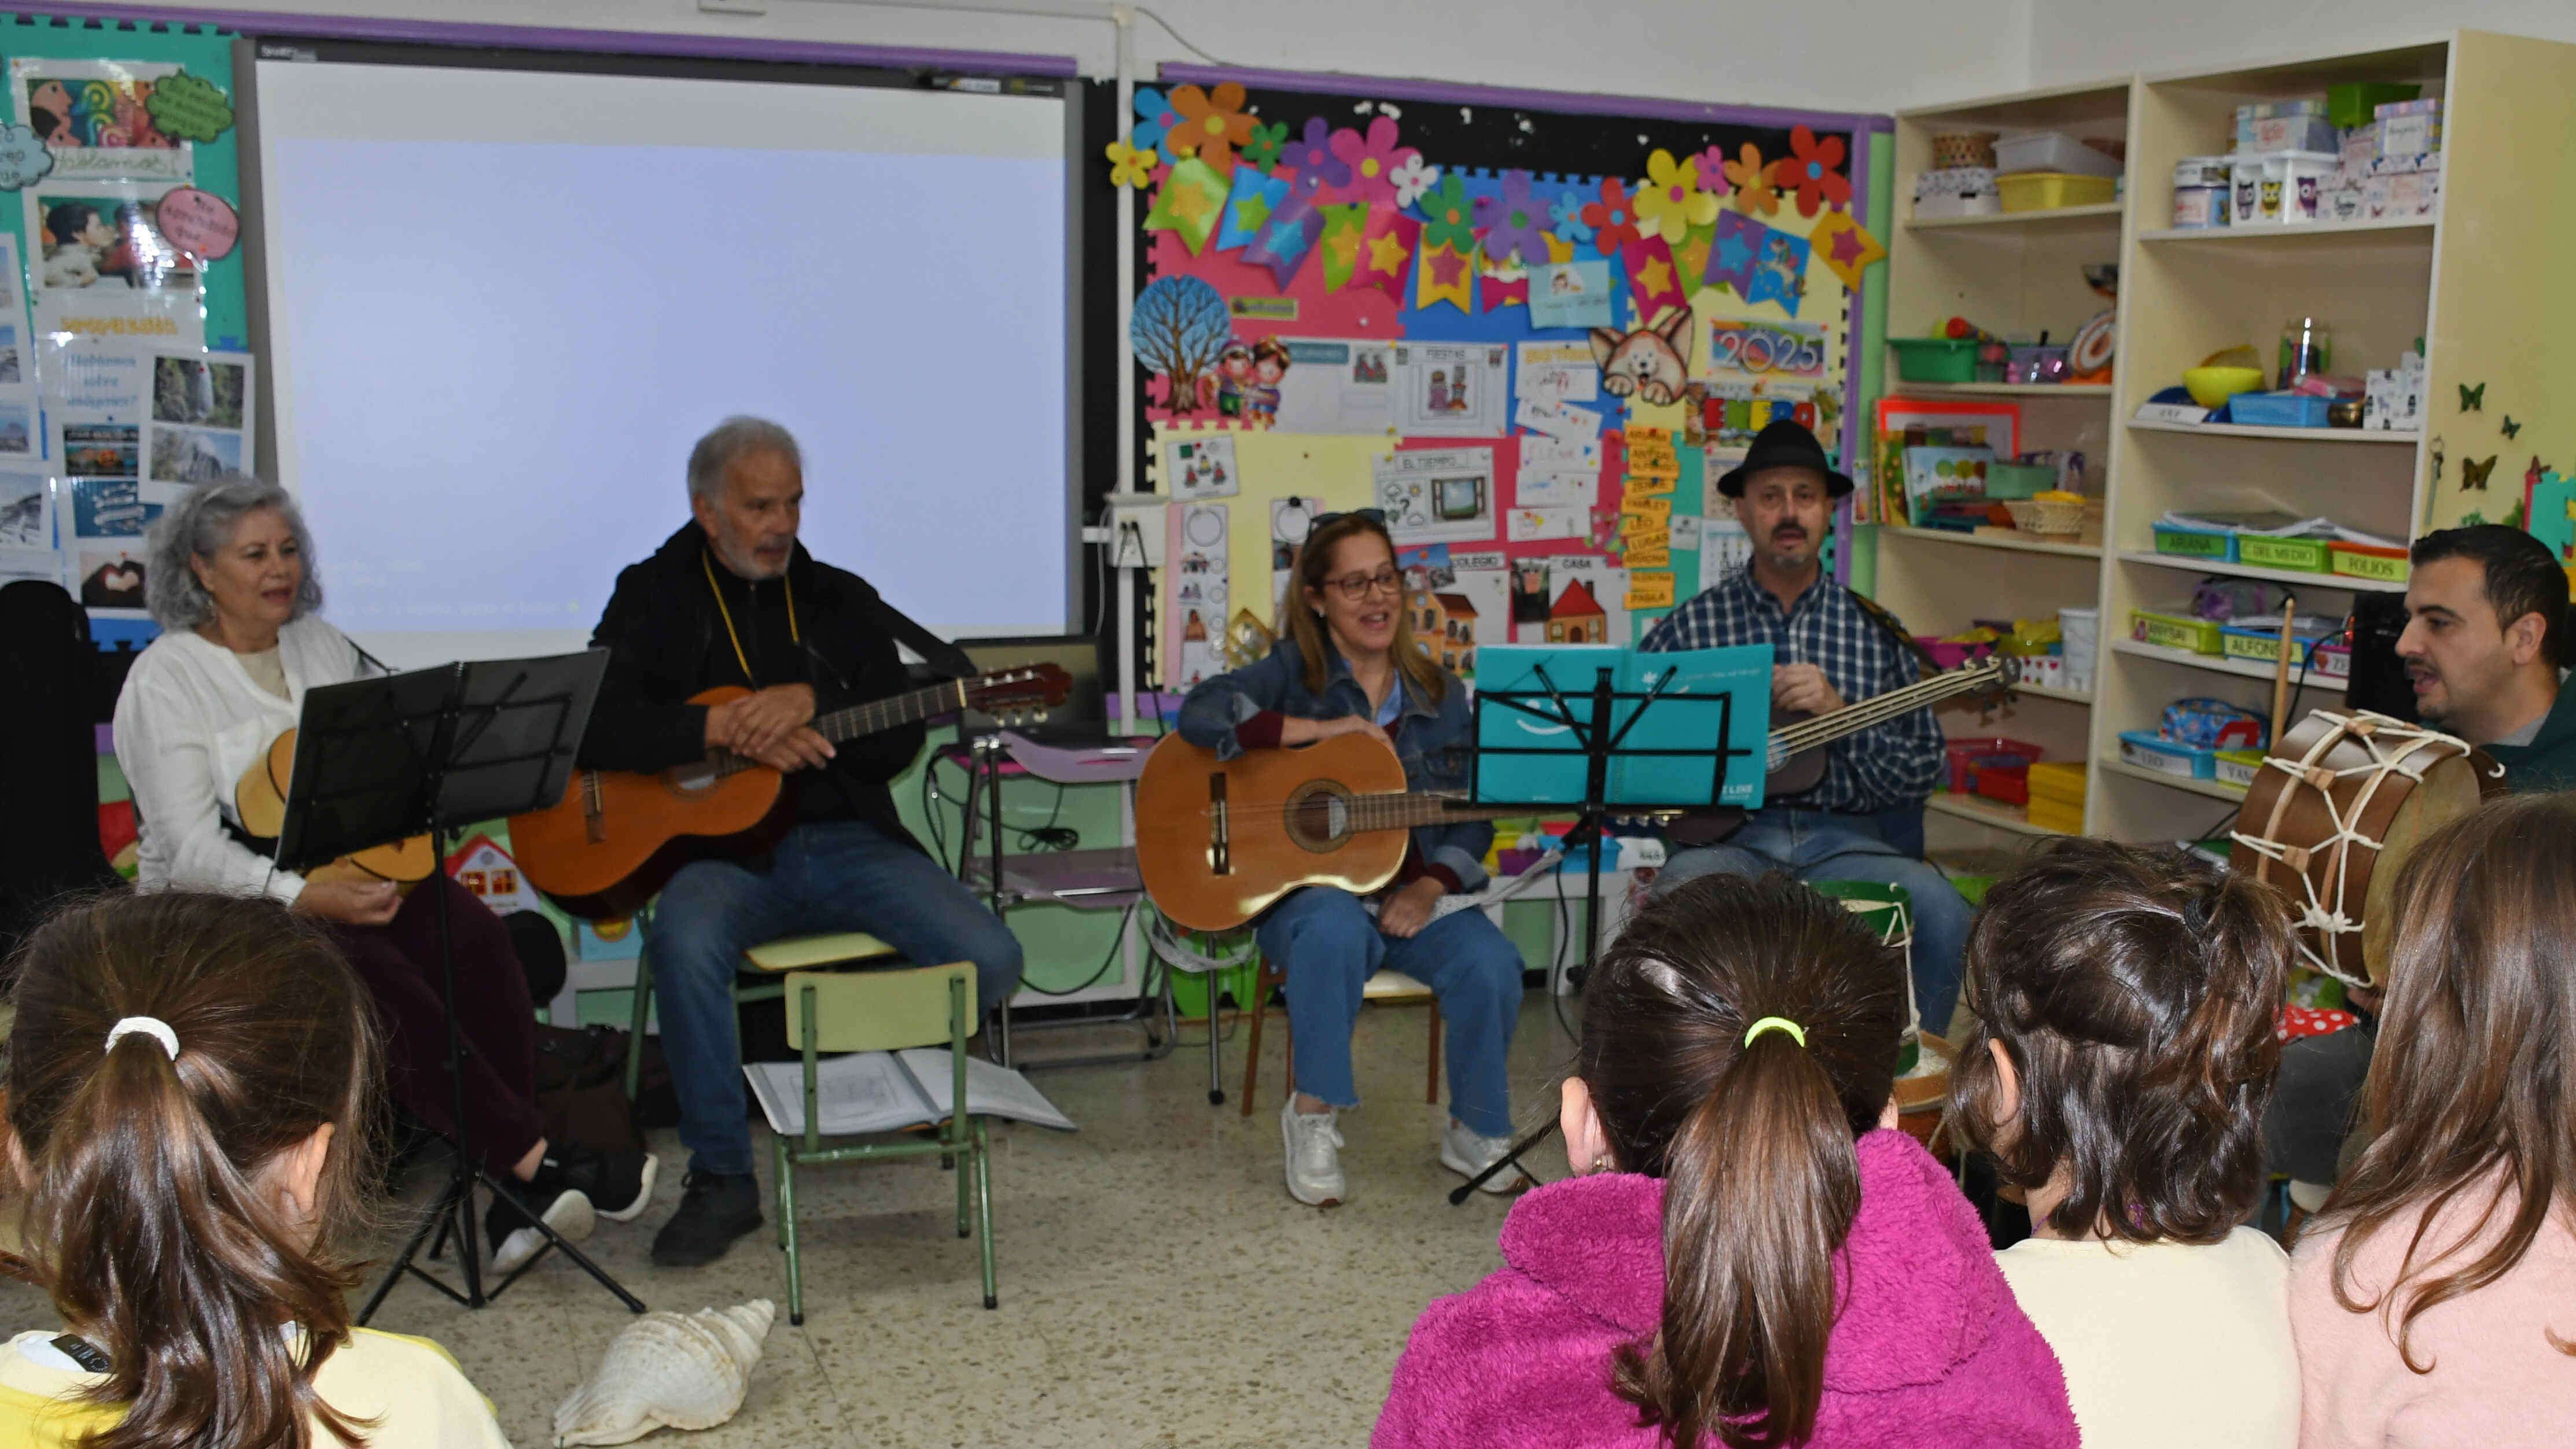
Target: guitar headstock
1020,694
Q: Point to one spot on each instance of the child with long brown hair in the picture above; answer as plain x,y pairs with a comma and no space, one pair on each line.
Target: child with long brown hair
189,1082
2125,1001
1347,663
1749,1253
2434,1297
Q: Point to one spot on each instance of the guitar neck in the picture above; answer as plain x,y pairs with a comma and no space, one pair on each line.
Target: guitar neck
1852,719
878,715
1407,810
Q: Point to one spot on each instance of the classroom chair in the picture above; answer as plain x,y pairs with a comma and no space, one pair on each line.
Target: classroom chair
883,1011
1386,987
759,979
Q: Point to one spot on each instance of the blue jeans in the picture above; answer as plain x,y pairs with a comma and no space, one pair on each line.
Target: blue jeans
1813,845
1330,948
840,875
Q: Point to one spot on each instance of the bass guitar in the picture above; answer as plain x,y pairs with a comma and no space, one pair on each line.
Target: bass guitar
1219,841
259,797
617,836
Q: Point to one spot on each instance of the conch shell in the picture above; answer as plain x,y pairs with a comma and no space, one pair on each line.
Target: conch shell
668,1370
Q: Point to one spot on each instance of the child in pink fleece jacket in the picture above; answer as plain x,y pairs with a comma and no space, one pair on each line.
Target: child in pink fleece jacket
1747,1256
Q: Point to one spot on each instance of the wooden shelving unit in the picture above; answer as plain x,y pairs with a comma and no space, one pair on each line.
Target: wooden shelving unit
2108,211
1991,814
2484,283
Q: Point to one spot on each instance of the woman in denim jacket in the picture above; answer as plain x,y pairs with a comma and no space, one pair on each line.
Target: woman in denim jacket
1347,664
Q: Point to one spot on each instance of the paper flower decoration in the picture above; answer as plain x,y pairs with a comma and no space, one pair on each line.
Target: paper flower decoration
1263,149
1248,207
1672,203
1209,126
1412,178
1314,162
1189,204
1373,159
1448,217
1341,250
1447,274
1154,118
1565,217
1514,223
1810,170
1613,218
1386,252
1129,166
1752,182
1845,247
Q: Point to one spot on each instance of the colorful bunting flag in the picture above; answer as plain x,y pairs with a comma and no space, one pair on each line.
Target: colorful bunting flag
1283,245
1653,280
1445,275
1343,249
1737,245
1189,204
1386,252
1780,270
1248,207
1501,286
1845,246
1691,256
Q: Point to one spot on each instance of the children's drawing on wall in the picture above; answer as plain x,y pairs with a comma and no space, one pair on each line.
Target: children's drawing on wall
1200,467
99,119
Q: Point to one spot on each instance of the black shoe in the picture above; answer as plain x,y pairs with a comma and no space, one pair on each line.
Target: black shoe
717,1208
506,1223
619,1184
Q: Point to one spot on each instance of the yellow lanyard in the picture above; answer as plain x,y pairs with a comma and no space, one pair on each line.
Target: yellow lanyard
783,582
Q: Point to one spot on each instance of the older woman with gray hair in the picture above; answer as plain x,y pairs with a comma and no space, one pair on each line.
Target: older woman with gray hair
229,577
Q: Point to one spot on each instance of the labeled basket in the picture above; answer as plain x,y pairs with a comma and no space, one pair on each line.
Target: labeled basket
2299,555
2061,517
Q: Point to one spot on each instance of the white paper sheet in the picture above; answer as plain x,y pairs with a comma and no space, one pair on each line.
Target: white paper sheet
890,1091
1200,466
1557,419
1532,525
1335,385
1437,495
1452,390
991,1091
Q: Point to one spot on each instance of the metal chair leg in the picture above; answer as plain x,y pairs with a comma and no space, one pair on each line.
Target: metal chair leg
787,1226
983,1154
642,1017
1259,1009
965,1176
1431,1088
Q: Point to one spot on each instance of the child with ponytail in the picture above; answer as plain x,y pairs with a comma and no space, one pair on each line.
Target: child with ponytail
2125,1001
187,1106
1749,1254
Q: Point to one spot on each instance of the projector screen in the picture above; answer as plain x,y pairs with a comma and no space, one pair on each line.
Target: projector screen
504,303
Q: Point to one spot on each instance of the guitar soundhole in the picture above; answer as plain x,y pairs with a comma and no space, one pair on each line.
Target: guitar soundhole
1319,816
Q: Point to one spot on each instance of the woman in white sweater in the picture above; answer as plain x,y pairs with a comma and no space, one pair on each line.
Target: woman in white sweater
229,577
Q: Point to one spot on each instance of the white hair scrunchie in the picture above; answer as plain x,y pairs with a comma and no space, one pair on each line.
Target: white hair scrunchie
151,1026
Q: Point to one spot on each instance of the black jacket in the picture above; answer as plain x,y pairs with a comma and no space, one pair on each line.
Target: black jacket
667,641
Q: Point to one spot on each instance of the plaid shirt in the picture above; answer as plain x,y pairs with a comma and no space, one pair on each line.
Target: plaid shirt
1882,767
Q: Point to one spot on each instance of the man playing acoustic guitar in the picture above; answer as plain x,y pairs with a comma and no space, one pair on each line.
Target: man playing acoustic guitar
733,599
1864,822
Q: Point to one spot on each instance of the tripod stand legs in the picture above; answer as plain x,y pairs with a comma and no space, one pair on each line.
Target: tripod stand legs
454,1213
1502,1164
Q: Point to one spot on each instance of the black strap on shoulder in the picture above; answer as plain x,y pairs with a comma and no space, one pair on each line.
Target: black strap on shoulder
88,1355
945,659
1894,628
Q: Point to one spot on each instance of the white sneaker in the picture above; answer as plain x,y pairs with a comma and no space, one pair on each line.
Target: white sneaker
1314,1155
1467,1153
570,1214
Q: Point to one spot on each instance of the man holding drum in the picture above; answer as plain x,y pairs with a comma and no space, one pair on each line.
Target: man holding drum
2486,644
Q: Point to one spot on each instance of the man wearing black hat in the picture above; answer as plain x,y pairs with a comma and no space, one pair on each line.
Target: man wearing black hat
1864,822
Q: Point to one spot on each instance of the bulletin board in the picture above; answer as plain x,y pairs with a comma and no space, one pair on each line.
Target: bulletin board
123,376
1532,328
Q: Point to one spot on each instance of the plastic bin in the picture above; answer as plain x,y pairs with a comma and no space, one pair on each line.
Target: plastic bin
2175,631
2199,543
2052,151
2055,190
2284,126
2005,778
2300,555
2237,768
2361,561
2201,188
2350,103
2333,661
2149,751
2019,480
2277,410
1963,755
2263,646
2079,636
1935,359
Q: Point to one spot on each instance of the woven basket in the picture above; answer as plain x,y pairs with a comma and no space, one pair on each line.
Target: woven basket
2061,517
1964,149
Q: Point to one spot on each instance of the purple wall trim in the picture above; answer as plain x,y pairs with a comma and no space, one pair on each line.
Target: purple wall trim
1857,167
259,23
1573,102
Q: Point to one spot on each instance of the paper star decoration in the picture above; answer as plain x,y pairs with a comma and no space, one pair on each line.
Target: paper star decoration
1446,275
1386,252
1189,204
1248,207
1344,229
1652,282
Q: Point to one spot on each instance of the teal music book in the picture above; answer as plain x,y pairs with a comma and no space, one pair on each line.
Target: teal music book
1701,739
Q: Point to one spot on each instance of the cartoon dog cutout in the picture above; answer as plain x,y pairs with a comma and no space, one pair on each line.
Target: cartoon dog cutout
1651,362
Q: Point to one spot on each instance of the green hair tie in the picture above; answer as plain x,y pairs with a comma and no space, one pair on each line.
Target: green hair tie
1796,1032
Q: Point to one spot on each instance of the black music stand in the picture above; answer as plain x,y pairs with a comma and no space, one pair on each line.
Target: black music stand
1596,736
431,752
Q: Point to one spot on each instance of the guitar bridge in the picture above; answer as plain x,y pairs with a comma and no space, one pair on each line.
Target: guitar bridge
1220,828
594,808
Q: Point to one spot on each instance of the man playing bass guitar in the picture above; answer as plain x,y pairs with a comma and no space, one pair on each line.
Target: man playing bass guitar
1346,663
1864,822
733,599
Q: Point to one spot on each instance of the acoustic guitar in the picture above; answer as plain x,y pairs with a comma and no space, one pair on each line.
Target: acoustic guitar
259,797
1219,841
617,836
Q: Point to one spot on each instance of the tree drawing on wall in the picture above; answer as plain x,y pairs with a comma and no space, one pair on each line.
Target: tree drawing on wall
1180,328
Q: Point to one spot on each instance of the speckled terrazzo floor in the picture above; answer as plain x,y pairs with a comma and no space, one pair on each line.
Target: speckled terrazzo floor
1158,1286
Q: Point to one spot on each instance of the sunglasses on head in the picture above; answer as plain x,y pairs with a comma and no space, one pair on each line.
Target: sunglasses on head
1372,515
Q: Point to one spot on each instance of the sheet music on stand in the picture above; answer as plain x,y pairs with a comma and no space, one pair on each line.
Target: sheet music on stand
1687,729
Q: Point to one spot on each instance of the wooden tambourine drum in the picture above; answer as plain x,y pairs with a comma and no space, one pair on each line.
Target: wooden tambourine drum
2339,804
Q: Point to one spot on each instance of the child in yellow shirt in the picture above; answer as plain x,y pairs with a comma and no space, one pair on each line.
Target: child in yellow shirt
188,1096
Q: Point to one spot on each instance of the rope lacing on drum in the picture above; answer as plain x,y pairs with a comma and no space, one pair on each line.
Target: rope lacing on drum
2368,730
